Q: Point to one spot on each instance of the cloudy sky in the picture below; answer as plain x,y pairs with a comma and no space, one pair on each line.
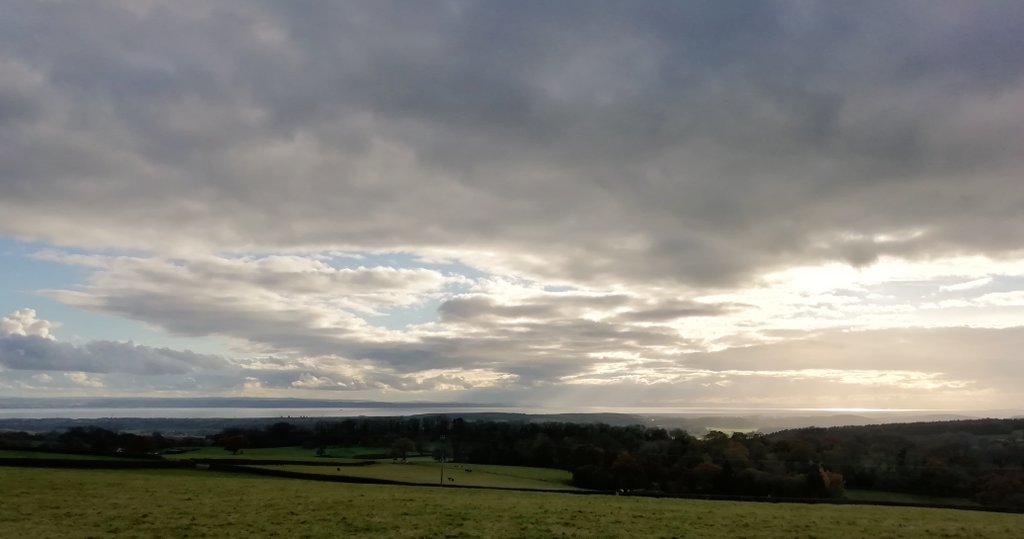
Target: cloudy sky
564,204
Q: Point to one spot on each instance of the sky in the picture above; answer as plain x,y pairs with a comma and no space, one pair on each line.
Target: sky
795,204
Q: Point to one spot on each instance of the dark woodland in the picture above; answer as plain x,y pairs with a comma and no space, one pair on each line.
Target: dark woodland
981,460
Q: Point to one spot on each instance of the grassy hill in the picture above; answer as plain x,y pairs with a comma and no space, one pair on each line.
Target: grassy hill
45,503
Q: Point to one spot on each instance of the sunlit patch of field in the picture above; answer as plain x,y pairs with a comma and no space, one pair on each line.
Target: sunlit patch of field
42,504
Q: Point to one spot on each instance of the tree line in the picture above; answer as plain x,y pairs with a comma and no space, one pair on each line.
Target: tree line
978,459
981,460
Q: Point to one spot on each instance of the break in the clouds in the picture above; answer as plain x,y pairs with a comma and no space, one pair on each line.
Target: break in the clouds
525,199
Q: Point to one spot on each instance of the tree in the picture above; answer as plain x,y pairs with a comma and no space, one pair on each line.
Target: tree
823,483
591,476
235,443
133,443
627,472
1004,489
586,455
401,448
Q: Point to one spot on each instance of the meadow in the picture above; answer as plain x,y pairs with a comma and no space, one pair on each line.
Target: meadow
900,497
280,453
427,472
19,454
46,503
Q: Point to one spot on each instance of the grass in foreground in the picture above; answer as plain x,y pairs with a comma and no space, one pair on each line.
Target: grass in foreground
45,504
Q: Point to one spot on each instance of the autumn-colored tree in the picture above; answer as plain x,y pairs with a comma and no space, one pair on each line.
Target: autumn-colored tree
235,443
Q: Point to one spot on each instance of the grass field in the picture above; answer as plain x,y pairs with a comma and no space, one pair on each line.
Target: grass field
899,497
278,453
16,454
429,473
43,504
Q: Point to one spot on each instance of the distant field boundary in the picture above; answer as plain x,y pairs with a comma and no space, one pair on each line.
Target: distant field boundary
246,467
127,464
231,466
102,454
235,467
276,462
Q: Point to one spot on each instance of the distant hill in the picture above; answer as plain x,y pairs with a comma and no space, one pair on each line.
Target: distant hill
146,414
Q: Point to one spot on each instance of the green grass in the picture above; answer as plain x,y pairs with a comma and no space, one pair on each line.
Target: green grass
429,473
277,453
882,496
44,504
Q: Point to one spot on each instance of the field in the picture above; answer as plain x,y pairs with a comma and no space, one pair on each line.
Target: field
16,454
427,472
421,470
43,503
899,497
279,453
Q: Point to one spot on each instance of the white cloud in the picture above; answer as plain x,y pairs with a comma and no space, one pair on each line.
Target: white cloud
251,384
84,379
26,344
24,323
308,381
1003,299
969,285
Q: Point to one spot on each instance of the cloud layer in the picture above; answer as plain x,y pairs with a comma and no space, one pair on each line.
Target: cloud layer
694,143
833,336
695,201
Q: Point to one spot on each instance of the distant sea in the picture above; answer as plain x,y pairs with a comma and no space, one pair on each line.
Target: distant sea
296,408
230,412
266,407
201,416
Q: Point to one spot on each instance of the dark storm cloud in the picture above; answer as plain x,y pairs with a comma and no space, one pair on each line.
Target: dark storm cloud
694,142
